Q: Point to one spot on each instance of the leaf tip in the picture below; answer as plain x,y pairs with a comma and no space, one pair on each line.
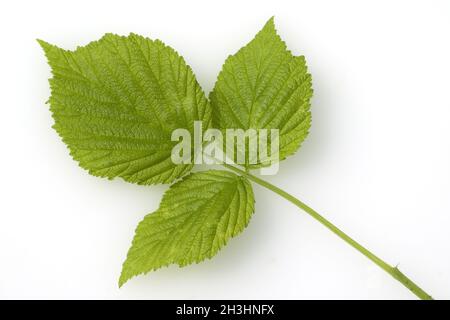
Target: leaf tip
48,48
122,279
44,45
270,23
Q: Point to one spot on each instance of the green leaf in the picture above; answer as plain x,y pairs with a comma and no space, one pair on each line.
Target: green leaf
263,86
196,217
116,101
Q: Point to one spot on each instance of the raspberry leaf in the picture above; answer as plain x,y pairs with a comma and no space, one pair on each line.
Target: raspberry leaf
196,218
264,86
116,101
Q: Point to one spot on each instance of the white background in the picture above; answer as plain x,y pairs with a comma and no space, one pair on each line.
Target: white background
376,162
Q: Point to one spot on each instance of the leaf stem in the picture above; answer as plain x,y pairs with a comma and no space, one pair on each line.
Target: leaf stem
393,271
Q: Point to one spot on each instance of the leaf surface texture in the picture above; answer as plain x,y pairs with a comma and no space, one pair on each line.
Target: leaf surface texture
196,218
116,101
264,86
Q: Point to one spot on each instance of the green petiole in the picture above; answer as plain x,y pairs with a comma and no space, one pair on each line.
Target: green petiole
393,271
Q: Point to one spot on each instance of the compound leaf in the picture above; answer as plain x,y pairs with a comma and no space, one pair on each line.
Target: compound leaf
264,86
116,101
196,217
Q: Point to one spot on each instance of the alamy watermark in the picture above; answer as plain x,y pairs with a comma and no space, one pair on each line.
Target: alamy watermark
254,148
